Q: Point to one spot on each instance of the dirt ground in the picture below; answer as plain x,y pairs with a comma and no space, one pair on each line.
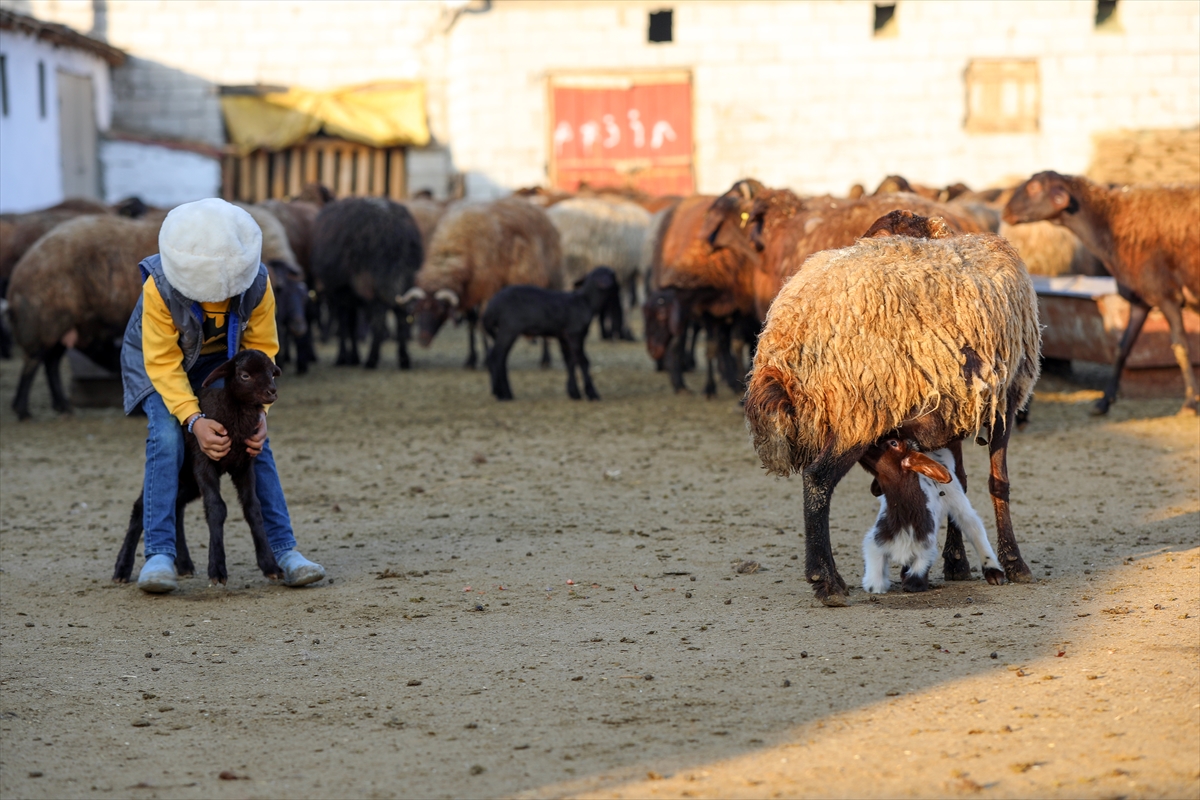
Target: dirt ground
538,599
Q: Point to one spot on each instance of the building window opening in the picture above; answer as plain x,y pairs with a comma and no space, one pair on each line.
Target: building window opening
661,26
1106,16
885,20
42,88
4,85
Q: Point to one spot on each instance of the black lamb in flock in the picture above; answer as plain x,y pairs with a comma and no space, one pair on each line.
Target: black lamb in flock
532,311
249,386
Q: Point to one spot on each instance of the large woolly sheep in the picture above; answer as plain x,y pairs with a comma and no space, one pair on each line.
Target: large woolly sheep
366,251
609,232
478,249
1148,239
934,338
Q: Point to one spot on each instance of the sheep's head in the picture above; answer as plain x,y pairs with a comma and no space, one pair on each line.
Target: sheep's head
1047,195
905,223
893,460
663,315
730,221
249,376
429,311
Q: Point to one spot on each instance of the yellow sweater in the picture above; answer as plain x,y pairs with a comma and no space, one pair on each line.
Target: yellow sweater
164,357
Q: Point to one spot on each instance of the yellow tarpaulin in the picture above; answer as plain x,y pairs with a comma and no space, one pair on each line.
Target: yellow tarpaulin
377,114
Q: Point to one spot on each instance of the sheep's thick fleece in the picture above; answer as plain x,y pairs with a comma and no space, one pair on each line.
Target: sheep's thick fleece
865,338
479,248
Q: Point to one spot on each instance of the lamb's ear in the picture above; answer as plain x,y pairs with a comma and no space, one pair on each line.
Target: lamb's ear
923,464
276,371
223,371
876,489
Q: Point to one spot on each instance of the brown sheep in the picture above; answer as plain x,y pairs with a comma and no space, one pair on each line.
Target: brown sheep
76,287
787,229
1147,237
945,342
478,249
708,285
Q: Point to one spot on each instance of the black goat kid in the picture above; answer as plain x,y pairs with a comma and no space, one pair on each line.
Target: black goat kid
532,311
249,386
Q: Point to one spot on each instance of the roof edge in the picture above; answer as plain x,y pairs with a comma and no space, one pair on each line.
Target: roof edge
57,34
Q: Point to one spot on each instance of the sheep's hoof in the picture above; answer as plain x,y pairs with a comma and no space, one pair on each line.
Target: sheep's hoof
956,567
915,583
830,596
1101,407
993,576
1190,408
1017,572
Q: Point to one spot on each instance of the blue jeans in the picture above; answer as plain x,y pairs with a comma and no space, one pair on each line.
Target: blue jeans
164,459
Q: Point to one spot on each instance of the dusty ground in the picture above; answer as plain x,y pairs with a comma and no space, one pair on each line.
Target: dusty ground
450,656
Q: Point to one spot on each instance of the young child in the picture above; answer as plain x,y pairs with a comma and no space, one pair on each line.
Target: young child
205,296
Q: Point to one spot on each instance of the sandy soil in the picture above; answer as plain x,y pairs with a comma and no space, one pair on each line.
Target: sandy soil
450,654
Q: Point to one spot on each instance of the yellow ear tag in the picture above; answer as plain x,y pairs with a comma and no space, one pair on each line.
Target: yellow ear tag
745,217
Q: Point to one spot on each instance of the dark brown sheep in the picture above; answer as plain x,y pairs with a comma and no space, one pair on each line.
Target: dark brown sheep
1147,237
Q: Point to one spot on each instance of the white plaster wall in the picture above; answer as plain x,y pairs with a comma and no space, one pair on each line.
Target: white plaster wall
30,153
160,176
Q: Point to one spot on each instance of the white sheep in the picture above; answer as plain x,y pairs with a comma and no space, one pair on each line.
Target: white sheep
607,232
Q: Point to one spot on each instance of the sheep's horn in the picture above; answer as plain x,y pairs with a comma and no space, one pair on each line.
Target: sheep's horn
745,190
415,293
448,295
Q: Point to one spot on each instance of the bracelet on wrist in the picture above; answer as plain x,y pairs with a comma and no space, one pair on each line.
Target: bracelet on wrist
193,419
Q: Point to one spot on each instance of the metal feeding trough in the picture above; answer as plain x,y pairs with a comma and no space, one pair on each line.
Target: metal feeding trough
92,386
1083,319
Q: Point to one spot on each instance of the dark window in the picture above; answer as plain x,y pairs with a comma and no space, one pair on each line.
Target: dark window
660,26
42,88
885,19
4,85
1106,14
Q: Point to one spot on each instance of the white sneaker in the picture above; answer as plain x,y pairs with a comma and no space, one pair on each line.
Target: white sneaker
298,570
158,575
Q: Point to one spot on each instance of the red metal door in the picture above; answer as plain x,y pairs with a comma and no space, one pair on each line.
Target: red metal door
622,132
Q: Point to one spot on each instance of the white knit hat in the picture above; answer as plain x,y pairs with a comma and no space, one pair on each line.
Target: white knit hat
210,250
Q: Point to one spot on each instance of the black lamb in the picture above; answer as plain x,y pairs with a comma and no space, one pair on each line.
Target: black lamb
532,311
249,386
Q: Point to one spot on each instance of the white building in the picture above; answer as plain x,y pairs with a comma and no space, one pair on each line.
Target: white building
811,94
55,96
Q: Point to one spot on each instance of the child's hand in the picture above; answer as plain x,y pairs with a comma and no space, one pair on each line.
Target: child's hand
212,437
254,444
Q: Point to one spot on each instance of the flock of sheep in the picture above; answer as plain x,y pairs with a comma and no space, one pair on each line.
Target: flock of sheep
884,328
